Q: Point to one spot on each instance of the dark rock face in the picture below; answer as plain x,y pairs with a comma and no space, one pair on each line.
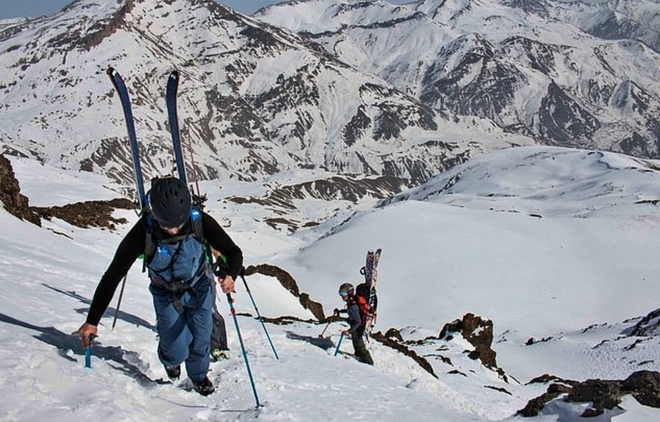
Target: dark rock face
477,331
644,386
89,213
604,394
10,194
535,405
393,343
648,325
564,120
81,214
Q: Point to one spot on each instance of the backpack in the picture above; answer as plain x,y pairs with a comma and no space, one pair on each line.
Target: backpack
364,308
363,290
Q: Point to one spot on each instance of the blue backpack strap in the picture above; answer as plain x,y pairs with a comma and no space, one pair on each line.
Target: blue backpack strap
198,229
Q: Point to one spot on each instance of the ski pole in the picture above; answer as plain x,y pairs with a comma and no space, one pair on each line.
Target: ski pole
339,344
88,357
258,314
326,327
240,340
330,319
121,294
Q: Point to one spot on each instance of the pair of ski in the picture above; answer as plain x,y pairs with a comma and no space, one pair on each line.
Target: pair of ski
170,98
370,272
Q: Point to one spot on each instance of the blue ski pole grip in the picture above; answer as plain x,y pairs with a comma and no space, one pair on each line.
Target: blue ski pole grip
88,352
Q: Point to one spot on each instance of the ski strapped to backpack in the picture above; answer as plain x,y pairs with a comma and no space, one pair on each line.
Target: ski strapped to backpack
170,98
151,243
367,289
120,86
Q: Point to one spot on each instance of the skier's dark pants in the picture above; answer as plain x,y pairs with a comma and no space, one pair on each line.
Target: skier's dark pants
361,352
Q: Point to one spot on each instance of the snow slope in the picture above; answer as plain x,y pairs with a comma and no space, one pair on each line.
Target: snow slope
548,243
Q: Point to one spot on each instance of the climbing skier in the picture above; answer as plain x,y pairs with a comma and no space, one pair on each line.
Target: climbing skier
357,309
181,278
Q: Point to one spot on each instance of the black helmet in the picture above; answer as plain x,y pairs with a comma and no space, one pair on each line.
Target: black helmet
170,202
346,288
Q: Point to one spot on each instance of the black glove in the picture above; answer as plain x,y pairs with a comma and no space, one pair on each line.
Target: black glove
220,268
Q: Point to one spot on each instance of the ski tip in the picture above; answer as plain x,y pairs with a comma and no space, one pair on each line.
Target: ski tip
174,74
110,70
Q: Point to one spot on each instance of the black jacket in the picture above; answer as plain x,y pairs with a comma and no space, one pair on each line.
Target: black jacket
133,245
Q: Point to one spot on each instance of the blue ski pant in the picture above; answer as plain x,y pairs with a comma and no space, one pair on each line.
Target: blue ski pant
185,333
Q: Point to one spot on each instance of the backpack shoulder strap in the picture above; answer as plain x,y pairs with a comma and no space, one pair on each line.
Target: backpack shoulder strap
149,241
198,226
196,220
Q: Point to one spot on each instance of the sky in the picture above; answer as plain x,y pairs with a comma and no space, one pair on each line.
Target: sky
548,243
34,8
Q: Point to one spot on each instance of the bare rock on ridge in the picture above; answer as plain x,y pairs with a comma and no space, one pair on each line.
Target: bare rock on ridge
10,194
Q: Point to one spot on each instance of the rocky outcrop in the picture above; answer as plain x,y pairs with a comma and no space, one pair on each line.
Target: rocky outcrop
289,283
478,332
648,326
10,194
644,386
535,405
88,214
394,344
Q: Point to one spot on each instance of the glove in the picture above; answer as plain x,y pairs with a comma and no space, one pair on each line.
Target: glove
220,268
335,312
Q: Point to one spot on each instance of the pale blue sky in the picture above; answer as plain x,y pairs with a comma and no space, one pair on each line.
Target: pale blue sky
33,8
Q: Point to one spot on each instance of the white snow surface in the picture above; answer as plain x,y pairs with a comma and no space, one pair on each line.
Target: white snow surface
548,243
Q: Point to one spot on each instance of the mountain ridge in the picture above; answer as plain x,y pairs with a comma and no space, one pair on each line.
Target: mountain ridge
255,100
490,58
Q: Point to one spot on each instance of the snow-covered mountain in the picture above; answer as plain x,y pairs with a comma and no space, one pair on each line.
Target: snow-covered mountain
255,99
540,261
578,73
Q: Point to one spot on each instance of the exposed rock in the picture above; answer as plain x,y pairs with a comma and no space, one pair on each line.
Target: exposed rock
603,394
477,331
405,350
535,405
289,283
394,333
649,325
500,389
10,194
545,378
530,341
88,213
644,386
